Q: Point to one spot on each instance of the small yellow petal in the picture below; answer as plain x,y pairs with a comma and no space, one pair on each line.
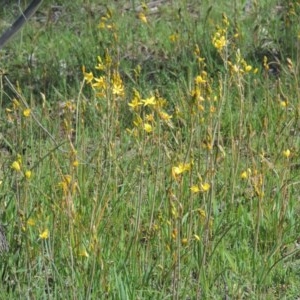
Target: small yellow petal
248,68
286,153
44,235
205,187
147,127
27,112
202,213
16,166
83,252
196,237
173,37
142,17
195,189
30,222
28,174
184,242
151,101
244,175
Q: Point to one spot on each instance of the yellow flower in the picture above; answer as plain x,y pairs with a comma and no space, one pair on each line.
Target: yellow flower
248,68
244,175
100,83
205,187
30,222
83,252
16,166
118,87
286,153
118,90
201,107
160,102
75,163
236,69
148,127
195,189
100,66
174,37
202,213
68,178
184,241
138,121
28,174
135,102
44,235
284,103
149,117
27,112
164,116
65,183
88,77
101,25
199,80
149,101
219,41
142,17
181,168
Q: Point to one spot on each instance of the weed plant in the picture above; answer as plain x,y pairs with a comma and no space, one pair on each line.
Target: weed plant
151,151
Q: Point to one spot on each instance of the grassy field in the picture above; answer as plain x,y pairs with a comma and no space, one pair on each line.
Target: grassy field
151,151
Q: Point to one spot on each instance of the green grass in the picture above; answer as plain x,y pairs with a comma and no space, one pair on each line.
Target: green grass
190,194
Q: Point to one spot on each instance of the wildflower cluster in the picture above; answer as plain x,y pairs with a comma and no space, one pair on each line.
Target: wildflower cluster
106,22
17,166
180,169
148,113
201,94
108,84
142,14
201,187
17,110
219,39
38,223
240,66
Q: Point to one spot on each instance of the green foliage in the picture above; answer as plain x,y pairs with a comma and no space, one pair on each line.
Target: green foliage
150,151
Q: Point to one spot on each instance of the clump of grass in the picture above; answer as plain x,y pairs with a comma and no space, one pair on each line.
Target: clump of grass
171,173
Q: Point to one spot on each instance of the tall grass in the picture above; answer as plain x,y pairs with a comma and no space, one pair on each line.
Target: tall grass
166,168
